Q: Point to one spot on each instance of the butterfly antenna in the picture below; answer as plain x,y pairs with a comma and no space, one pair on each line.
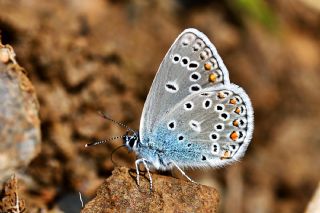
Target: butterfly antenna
117,122
103,141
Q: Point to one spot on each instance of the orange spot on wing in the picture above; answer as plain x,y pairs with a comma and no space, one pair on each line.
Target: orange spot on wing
237,110
226,155
213,77
235,123
234,136
233,101
207,66
221,95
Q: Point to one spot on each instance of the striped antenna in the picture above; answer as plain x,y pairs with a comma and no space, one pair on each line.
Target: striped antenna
103,141
117,122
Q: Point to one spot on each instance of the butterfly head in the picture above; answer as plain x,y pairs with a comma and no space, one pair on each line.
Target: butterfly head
131,140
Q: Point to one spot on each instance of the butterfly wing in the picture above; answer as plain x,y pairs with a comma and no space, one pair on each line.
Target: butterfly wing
191,64
212,127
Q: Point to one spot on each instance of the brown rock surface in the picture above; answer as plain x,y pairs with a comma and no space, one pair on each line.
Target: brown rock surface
120,193
19,121
10,201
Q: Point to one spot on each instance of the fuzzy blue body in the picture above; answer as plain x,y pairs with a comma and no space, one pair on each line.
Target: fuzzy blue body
161,147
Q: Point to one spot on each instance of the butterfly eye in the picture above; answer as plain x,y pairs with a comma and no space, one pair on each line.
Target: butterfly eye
132,142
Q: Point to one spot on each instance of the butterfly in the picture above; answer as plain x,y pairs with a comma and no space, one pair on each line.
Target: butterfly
193,115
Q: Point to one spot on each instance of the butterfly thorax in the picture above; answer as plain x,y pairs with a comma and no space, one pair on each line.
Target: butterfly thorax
147,150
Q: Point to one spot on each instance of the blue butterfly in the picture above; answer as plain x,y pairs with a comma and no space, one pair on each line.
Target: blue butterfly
193,116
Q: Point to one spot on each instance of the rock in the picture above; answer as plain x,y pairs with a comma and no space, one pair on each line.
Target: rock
7,54
19,119
120,193
10,200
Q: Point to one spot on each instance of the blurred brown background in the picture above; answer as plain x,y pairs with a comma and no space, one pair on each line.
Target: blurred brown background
84,56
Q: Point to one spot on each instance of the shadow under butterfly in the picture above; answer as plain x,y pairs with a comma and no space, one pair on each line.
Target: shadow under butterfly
193,115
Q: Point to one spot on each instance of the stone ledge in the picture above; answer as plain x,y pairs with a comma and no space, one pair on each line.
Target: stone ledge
120,193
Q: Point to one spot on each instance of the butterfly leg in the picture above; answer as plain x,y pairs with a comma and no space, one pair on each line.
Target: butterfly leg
142,160
182,172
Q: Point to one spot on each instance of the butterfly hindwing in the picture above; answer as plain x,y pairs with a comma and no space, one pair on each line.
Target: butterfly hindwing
191,64
212,127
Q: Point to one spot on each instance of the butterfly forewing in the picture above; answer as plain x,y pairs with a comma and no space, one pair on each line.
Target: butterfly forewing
212,127
192,64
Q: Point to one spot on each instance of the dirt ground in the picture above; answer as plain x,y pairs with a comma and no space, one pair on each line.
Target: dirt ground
85,56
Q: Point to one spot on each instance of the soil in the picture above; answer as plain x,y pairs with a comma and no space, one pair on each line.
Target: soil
86,56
